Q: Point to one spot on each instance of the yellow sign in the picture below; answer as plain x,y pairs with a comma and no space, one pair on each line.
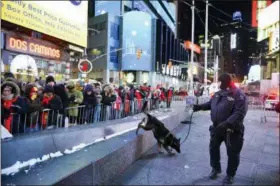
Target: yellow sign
66,20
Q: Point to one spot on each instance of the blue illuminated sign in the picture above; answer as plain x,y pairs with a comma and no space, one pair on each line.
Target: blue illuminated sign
137,36
237,15
76,2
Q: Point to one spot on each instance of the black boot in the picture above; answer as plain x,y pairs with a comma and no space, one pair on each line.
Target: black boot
214,174
228,180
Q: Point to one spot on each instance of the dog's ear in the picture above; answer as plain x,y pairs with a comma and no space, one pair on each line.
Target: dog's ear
179,139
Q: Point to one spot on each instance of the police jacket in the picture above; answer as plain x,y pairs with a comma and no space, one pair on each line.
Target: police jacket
227,106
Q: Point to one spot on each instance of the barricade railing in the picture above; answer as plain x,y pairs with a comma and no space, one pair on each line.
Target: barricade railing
87,114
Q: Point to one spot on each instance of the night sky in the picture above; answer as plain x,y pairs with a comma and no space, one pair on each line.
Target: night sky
216,18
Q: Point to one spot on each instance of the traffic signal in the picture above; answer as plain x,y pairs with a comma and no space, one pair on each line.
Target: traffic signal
139,53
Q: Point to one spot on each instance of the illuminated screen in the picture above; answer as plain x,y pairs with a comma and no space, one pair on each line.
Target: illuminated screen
66,20
137,35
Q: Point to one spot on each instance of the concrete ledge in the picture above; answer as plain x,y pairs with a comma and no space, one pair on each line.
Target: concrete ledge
93,165
36,145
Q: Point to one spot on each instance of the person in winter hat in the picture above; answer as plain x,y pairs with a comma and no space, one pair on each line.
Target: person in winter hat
108,97
34,107
97,110
59,90
12,107
50,81
75,98
90,102
53,103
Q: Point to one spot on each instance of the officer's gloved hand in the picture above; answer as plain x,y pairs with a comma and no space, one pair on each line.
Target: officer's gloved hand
222,127
196,108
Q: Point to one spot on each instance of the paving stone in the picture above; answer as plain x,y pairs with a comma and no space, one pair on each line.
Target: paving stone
267,176
269,160
259,160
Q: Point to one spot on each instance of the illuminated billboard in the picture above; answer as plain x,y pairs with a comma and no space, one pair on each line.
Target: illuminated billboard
233,41
257,6
137,41
268,21
66,20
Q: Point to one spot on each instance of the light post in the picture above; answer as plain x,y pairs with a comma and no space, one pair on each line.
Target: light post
192,54
206,42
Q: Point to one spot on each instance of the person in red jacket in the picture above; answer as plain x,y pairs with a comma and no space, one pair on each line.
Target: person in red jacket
169,96
138,97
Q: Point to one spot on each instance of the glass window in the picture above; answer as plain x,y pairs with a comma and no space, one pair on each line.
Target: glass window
113,55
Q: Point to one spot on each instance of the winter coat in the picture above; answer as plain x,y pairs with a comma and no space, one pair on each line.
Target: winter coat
118,102
108,100
162,95
75,99
138,96
98,95
90,101
59,90
34,107
50,117
169,95
13,110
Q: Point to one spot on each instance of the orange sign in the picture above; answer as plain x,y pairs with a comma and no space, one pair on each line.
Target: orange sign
32,46
189,45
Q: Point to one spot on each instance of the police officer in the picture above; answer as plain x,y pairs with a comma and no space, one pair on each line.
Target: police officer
228,108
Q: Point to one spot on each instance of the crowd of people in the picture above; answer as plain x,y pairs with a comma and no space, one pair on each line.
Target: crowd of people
38,105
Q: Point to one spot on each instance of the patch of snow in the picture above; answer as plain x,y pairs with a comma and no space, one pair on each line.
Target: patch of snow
57,154
75,148
19,165
187,167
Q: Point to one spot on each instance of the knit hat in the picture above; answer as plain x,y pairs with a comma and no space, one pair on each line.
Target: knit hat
48,89
70,84
88,88
49,79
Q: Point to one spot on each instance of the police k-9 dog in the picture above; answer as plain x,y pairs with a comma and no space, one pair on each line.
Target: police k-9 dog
163,136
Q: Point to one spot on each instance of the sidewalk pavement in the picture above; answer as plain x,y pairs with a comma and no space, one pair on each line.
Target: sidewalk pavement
259,162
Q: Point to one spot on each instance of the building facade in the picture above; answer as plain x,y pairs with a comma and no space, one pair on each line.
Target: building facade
238,48
139,38
45,42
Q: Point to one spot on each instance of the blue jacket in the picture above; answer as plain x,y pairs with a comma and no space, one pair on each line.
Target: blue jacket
227,105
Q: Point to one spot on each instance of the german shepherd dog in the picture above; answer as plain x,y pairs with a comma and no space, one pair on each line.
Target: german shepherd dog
163,136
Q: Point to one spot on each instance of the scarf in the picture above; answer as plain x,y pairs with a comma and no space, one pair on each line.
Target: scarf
45,114
9,97
7,103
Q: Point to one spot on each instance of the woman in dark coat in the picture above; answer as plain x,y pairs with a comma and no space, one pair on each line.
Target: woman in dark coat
52,104
13,107
90,102
34,107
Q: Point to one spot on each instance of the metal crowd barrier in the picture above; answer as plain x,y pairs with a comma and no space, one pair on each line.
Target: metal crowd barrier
269,114
71,116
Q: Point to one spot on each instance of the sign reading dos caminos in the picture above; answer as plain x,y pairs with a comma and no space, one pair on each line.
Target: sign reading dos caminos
66,20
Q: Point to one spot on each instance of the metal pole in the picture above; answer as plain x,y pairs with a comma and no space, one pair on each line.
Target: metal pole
206,42
191,69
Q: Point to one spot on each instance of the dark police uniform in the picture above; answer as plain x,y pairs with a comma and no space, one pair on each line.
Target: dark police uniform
228,107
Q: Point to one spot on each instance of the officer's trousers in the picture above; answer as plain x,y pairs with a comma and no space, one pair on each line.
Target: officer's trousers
233,151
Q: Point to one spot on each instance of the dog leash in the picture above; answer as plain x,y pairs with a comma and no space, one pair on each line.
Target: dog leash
189,129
